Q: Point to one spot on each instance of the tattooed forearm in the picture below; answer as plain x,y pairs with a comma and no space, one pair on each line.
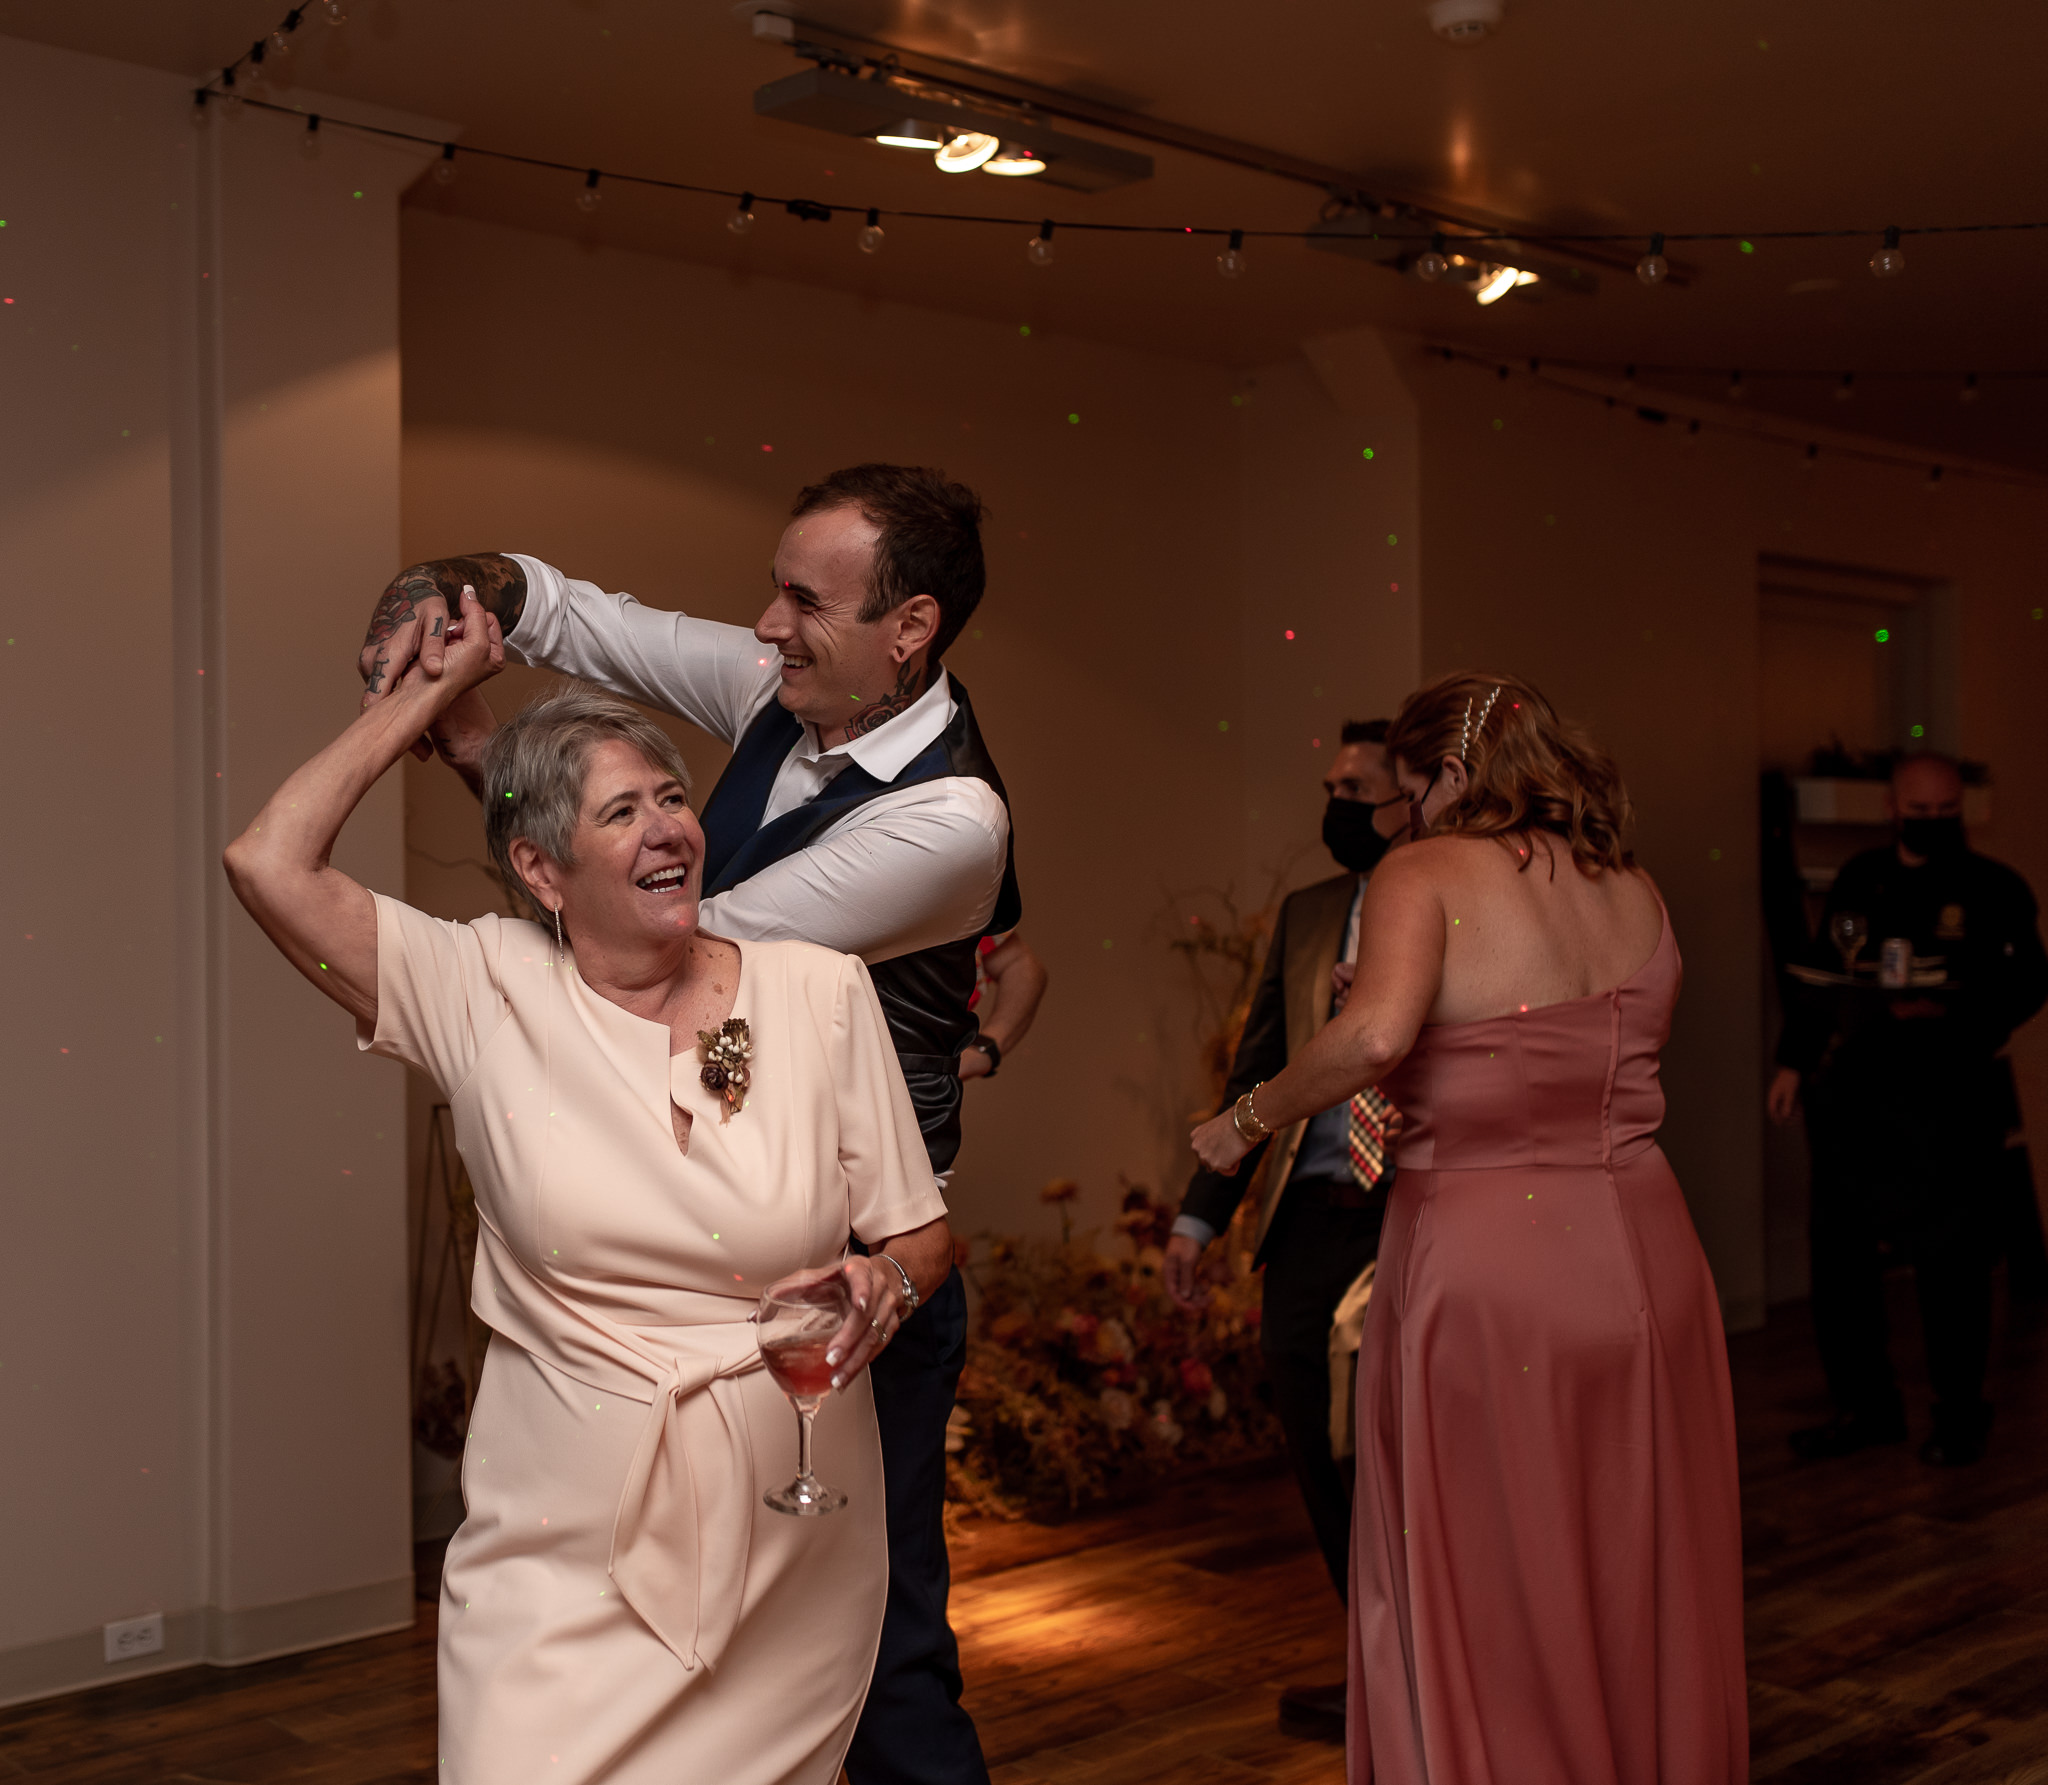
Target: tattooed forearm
910,683
499,583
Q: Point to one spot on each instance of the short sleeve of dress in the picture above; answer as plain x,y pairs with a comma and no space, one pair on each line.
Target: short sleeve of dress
439,997
888,1172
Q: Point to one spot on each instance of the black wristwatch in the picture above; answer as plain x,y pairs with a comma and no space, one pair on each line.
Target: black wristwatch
994,1053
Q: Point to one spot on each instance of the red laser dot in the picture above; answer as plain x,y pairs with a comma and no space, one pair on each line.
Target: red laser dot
767,449
1315,743
1396,587
1290,632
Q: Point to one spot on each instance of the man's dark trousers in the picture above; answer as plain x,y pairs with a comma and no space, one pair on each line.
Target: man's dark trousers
1930,1188
1324,1233
913,1731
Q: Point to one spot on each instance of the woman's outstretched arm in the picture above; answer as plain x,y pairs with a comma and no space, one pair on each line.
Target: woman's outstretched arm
1400,968
320,919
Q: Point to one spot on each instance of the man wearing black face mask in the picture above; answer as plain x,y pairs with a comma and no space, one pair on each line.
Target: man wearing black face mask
1907,1109
1327,1181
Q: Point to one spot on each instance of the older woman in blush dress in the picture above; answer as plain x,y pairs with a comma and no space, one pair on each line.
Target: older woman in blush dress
1546,1549
619,1604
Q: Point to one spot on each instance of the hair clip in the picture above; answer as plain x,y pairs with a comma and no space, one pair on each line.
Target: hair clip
1471,731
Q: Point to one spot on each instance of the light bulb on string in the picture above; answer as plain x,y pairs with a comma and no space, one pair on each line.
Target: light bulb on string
1933,476
1735,391
255,60
1430,266
309,141
742,219
335,12
1691,436
1811,459
1846,390
199,112
281,38
1969,393
1230,263
230,100
588,198
1628,377
1653,268
444,169
870,237
1039,249
1890,260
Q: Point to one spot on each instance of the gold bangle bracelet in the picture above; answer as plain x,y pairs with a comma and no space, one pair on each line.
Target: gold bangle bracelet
1246,1118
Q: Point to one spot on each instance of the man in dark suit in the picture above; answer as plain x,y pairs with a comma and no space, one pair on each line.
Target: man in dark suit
1326,1177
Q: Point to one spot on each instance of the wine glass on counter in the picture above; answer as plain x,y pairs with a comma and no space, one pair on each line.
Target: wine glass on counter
799,1318
1849,931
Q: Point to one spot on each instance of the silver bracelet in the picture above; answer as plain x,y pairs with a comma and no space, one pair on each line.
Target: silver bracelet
910,1296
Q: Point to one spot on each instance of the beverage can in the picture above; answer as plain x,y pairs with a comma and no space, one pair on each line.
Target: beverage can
1895,964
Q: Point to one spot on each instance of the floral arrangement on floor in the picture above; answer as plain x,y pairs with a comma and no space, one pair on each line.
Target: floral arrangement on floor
1084,1380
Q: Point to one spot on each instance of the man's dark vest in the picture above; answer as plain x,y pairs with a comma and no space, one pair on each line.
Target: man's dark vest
924,995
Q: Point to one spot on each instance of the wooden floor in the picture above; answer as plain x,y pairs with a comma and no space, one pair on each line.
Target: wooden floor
1898,1631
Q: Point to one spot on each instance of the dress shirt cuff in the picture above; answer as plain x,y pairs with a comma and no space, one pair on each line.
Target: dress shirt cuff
544,595
1194,1227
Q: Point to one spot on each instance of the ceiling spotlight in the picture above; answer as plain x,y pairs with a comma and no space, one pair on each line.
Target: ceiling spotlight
1014,163
966,151
1497,282
1463,21
912,133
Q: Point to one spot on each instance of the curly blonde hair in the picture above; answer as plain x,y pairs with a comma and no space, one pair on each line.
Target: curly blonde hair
1529,769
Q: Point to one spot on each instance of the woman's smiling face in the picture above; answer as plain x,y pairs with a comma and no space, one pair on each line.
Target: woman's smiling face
638,875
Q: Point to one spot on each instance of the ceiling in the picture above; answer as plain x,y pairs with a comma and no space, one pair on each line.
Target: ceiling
1575,115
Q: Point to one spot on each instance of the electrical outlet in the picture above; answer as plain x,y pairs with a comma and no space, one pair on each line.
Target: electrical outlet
131,1637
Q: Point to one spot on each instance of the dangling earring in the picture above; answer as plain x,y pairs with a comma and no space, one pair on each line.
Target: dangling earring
558,935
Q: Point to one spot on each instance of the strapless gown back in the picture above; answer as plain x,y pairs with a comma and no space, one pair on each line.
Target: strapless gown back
1547,1551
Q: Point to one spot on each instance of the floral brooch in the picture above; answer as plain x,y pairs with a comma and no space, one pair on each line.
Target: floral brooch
727,1051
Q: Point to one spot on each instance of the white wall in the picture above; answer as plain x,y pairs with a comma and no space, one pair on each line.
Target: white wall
202,1343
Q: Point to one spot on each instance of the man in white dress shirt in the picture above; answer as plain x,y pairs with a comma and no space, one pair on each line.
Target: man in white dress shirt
860,811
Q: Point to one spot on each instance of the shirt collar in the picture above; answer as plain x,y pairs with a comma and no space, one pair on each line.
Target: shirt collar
895,744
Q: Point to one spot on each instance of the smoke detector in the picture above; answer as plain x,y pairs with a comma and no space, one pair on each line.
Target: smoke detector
1463,21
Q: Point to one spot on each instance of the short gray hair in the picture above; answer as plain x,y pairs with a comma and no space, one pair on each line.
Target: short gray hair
535,766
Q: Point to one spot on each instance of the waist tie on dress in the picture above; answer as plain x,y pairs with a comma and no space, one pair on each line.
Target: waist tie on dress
692,1470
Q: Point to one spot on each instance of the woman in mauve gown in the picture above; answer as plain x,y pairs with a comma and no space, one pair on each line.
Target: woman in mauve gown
1546,1545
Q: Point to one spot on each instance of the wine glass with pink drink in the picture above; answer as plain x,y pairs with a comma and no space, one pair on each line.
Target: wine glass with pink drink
799,1318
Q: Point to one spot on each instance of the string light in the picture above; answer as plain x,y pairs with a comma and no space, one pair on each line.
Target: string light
1933,476
281,38
309,143
336,12
1735,391
1890,260
1812,457
1230,263
1969,393
870,238
589,198
444,169
198,113
230,100
742,219
1431,265
1653,268
1039,249
1847,388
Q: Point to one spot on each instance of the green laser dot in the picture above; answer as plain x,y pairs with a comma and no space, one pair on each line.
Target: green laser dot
358,195
1222,724
1747,247
1368,452
1073,418
323,966
1391,540
1883,635
1919,731
1713,855
1024,328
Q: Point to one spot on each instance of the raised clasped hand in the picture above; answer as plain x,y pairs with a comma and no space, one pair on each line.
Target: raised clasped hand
474,651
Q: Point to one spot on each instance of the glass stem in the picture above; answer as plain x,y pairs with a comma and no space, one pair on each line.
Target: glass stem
804,1416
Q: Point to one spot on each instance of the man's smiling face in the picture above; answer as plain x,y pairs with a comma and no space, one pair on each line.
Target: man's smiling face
833,663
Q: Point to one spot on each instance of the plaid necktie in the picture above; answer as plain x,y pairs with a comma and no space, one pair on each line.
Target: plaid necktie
1365,1136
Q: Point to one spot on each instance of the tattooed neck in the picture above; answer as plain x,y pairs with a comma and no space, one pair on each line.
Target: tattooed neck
911,680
